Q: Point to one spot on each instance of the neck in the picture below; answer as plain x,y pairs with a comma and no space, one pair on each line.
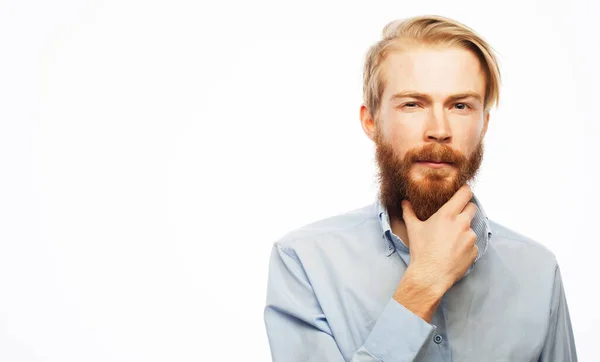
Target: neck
399,228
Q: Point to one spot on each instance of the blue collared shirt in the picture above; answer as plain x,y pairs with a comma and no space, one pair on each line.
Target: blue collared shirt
330,287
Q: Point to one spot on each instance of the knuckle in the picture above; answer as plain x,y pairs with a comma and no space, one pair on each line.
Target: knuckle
442,214
469,192
474,208
469,208
464,221
472,235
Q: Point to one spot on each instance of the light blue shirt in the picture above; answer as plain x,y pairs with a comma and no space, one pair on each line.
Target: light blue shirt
330,287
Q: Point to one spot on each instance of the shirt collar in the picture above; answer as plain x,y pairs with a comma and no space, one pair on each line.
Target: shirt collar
480,224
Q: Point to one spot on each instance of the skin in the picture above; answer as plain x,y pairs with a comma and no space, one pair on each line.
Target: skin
442,245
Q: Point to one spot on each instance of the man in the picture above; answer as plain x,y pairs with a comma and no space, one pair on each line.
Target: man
422,274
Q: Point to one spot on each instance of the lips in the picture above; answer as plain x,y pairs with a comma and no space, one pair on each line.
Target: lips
434,161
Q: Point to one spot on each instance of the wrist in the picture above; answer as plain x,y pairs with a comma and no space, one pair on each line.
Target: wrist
418,296
423,281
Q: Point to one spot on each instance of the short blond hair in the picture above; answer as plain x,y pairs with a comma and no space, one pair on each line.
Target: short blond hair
428,30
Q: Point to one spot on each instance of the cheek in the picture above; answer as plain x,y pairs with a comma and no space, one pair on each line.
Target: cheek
399,137
404,127
478,129
397,129
399,146
468,139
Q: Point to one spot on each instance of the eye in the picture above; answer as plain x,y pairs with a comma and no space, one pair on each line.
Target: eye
410,104
465,106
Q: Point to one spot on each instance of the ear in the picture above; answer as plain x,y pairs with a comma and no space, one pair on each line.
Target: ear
485,123
368,123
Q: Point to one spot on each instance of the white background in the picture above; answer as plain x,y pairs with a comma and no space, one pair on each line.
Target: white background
152,152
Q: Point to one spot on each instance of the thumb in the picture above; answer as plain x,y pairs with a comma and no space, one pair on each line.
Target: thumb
408,214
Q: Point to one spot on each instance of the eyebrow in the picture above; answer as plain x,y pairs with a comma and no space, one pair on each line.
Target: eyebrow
426,97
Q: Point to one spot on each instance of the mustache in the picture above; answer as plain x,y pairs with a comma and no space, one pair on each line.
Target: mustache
435,153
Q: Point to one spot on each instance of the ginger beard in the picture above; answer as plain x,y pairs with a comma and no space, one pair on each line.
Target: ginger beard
427,188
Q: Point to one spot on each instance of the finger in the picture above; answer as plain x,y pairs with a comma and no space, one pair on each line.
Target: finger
408,214
470,210
458,201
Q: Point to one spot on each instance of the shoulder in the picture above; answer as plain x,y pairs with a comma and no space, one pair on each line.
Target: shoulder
520,247
341,227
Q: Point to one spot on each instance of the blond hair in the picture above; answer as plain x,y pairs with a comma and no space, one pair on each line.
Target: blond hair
428,30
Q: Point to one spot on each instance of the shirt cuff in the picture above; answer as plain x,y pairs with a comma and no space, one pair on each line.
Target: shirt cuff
398,334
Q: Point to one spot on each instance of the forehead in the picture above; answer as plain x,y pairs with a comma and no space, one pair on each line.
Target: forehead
438,71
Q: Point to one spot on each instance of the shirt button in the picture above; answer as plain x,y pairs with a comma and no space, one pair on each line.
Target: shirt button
438,339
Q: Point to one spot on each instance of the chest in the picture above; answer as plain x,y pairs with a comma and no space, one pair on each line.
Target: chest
481,318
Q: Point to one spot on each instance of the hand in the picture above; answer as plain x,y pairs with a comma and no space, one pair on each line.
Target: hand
442,247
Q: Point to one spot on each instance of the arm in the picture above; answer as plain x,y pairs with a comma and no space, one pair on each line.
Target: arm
560,344
298,330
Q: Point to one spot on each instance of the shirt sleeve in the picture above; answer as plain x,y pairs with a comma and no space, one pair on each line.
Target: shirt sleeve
298,330
560,343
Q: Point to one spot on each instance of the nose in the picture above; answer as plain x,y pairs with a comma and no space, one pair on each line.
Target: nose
438,127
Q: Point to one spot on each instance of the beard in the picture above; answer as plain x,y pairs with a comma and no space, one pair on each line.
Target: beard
427,189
